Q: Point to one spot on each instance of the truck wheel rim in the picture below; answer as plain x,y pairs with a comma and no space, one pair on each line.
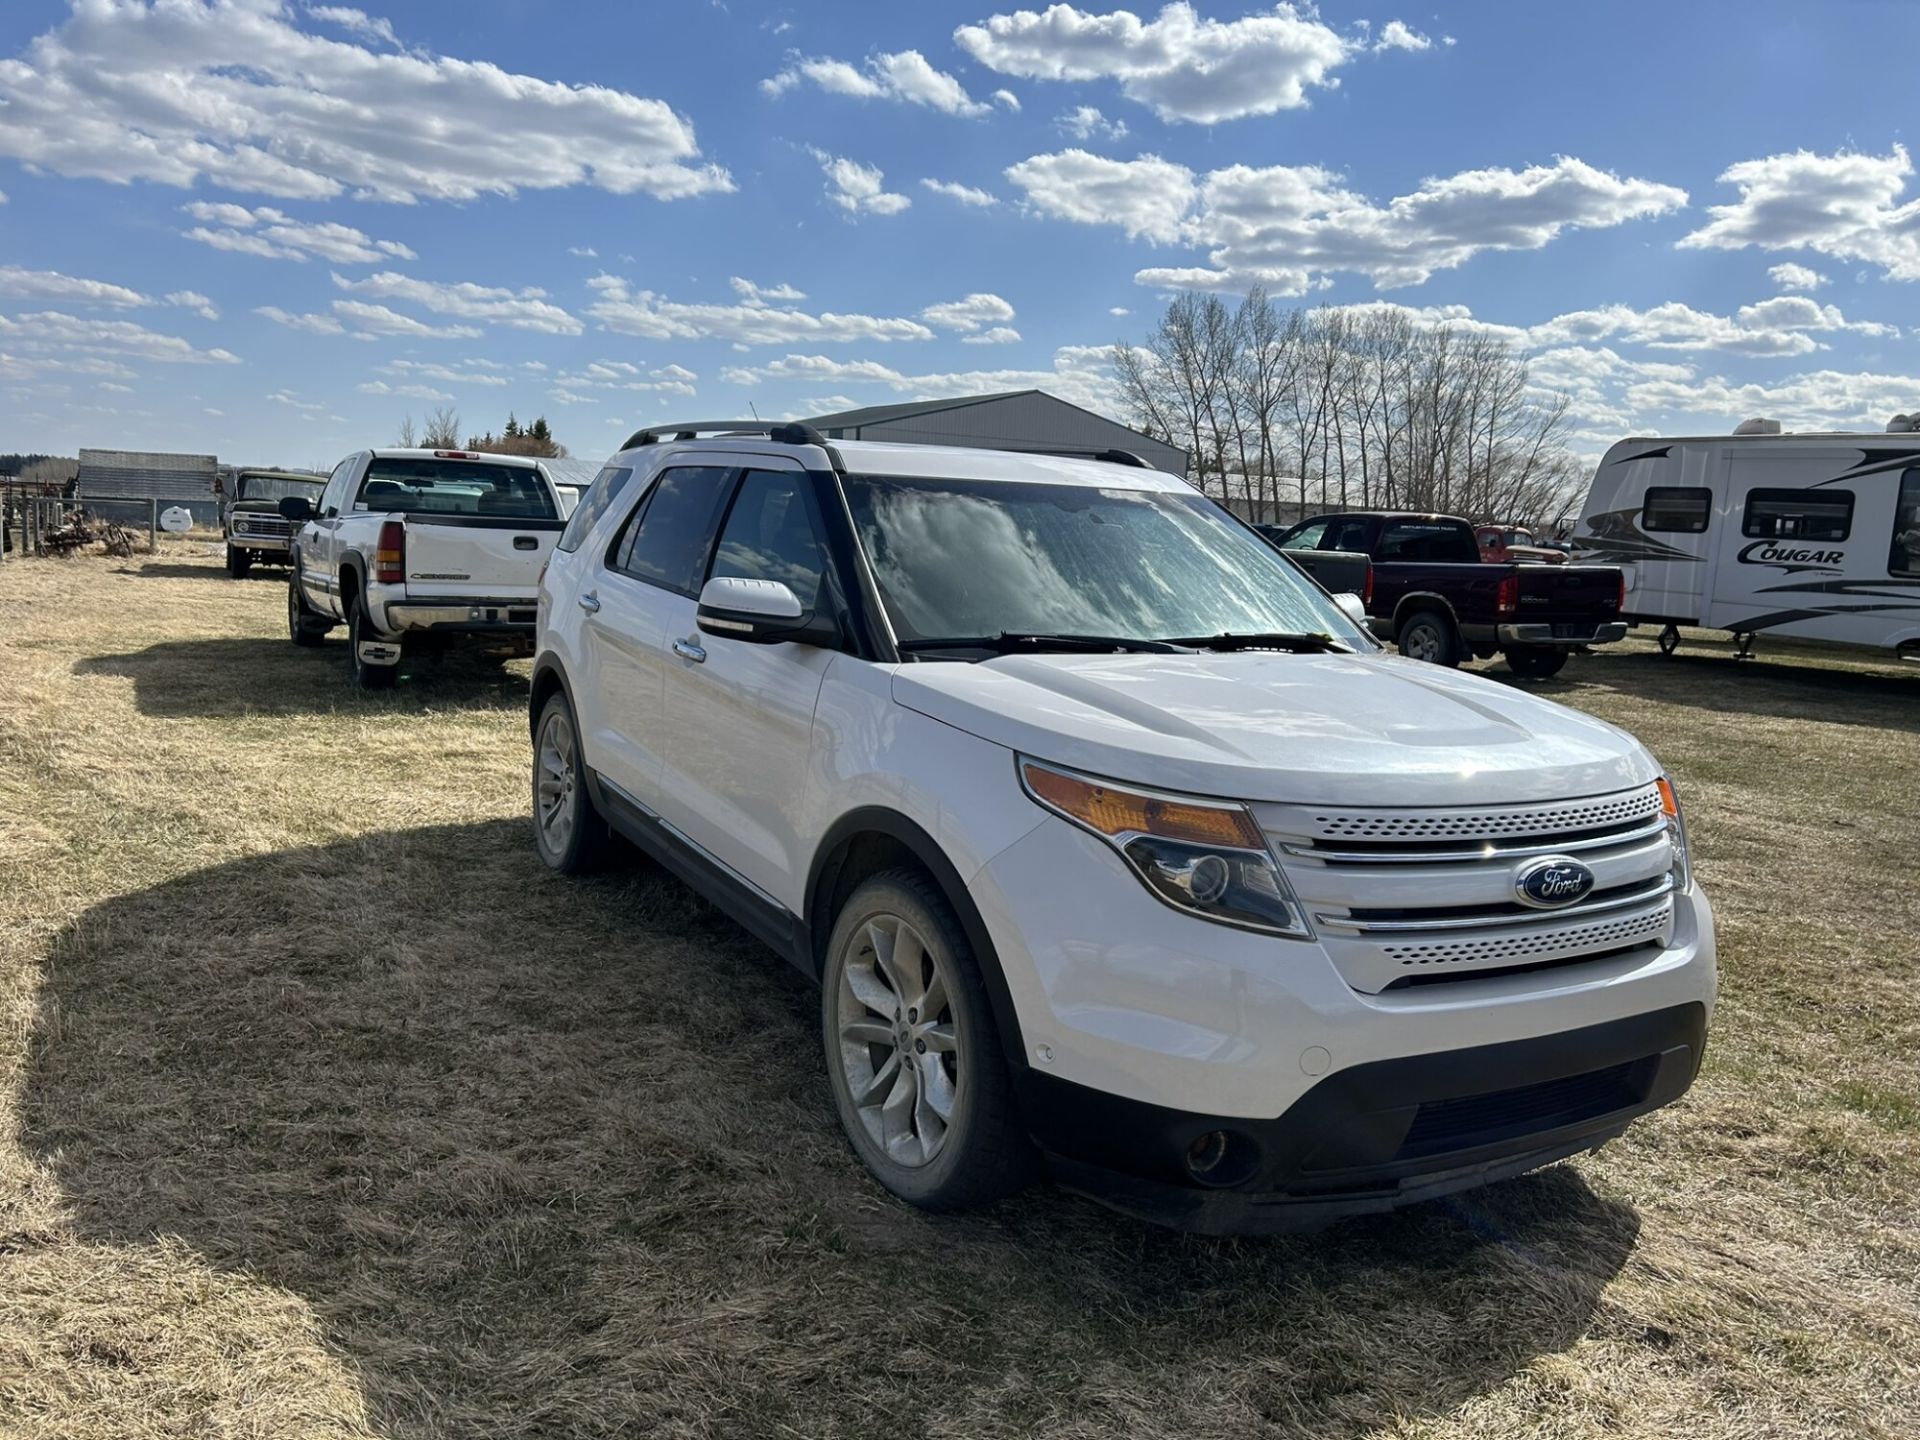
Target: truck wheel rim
293,611
555,783
899,1046
1421,644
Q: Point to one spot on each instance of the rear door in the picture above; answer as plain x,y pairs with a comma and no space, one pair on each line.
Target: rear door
642,592
739,716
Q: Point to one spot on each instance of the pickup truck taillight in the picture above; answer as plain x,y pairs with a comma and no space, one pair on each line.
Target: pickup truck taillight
1620,608
390,554
1366,590
1506,599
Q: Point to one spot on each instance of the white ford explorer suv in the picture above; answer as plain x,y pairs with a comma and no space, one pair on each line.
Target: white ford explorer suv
1112,841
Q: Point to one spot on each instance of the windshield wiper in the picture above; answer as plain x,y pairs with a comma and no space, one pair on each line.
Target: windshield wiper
1009,641
1298,641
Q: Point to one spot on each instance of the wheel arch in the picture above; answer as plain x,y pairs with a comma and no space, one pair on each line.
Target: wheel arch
1416,601
873,839
549,678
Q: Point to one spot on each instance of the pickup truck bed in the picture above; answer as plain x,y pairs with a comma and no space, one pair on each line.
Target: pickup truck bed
1435,599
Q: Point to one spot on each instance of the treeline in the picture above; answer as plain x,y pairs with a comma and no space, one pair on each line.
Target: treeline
37,469
442,432
1287,409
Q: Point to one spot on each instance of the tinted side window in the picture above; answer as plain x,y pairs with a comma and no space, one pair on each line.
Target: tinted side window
1346,535
1307,537
667,542
1676,509
600,495
1432,540
770,535
337,486
1798,514
1904,557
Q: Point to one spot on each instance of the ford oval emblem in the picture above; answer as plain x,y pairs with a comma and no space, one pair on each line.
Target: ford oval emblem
1553,882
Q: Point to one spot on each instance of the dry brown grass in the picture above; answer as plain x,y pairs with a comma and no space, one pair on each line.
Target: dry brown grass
324,1110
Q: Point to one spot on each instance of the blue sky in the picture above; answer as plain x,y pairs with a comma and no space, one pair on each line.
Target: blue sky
270,230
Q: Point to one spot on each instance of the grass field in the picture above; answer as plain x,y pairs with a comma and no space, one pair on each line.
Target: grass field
326,1111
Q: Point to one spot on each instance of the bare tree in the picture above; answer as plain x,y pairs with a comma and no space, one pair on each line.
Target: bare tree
408,440
443,430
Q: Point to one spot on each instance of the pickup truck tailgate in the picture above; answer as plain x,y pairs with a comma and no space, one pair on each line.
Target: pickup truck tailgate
469,556
1568,592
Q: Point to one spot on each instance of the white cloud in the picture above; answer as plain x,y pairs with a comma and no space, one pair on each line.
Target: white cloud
858,189
1796,277
969,314
1084,122
313,324
234,93
292,401
1119,310
567,397
826,405
274,235
965,194
66,336
1816,400
520,309
381,320
17,283
358,21
998,335
1184,66
1398,35
409,392
584,251
1843,205
904,75
1082,374
623,375
193,300
752,294
469,372
1290,227
1000,97
626,311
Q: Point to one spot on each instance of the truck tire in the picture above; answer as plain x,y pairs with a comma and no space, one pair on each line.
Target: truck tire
568,829
305,627
238,562
908,1033
1536,662
367,676
1429,635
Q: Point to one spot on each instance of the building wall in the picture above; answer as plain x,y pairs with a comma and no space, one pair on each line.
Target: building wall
145,474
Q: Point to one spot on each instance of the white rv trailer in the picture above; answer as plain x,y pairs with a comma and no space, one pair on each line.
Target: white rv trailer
1812,537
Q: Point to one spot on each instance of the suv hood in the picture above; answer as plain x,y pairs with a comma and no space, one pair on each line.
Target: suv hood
1261,726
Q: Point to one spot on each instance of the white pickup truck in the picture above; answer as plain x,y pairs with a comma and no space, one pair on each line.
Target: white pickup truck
421,549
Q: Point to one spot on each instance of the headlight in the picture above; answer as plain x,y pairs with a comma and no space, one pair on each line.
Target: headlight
1677,833
1201,856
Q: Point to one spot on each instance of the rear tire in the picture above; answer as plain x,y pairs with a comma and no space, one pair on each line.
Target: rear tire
1430,636
238,562
304,627
360,627
1536,662
908,1034
568,830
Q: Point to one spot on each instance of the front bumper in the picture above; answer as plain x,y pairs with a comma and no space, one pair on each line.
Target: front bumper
1373,1137
259,544
1562,636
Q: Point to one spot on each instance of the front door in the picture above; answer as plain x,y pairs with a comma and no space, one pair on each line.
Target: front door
739,715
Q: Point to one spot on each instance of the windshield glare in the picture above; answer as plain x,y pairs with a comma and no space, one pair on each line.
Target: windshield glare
277,487
971,558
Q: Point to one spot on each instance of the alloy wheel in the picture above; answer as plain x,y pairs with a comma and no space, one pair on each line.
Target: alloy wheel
556,782
899,1047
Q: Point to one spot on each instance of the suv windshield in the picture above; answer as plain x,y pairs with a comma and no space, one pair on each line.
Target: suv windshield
277,487
455,487
974,558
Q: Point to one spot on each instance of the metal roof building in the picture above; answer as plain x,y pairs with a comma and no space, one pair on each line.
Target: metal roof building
144,474
1015,420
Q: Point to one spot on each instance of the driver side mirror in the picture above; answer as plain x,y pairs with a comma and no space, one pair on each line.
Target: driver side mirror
761,612
296,508
1353,607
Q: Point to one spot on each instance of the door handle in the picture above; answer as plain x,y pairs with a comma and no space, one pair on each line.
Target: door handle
687,650
590,603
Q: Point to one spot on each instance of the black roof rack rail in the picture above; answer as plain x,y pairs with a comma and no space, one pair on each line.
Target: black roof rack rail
1110,457
781,432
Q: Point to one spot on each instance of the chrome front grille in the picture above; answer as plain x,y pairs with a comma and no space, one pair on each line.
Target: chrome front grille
1400,893
262,527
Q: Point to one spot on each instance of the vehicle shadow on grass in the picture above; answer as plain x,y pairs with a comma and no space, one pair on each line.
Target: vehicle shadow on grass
549,1156
255,675
206,570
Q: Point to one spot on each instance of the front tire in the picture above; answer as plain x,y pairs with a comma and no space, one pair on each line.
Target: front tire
1536,662
367,675
238,562
568,830
914,1058
1430,636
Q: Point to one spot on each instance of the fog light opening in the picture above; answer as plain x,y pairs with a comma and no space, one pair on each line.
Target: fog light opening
1221,1158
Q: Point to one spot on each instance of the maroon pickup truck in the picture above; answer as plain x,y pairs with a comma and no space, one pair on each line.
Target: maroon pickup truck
1437,600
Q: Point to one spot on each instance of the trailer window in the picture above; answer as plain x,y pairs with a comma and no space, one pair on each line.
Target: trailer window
1798,515
1904,557
1676,509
